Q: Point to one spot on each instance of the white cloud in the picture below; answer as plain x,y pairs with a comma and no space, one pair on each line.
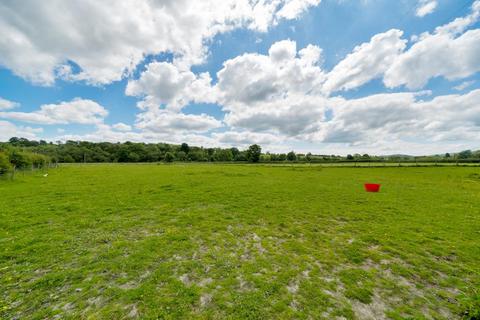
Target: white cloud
108,39
426,7
434,56
449,52
465,84
122,127
104,133
76,111
245,138
163,83
164,121
459,25
291,116
278,92
9,130
404,117
7,104
294,8
252,77
283,51
367,61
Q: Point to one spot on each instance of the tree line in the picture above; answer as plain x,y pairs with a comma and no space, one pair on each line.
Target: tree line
22,153
91,152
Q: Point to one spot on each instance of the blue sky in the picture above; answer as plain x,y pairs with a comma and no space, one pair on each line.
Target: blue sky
382,77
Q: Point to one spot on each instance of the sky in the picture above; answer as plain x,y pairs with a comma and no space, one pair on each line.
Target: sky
320,76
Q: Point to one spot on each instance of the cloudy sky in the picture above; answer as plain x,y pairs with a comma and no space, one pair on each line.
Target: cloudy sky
326,76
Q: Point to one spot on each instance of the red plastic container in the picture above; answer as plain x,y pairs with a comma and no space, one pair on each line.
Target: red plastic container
372,187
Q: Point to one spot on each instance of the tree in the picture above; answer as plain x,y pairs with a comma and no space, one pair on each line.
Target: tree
181,155
349,157
169,157
291,156
223,155
308,157
466,154
241,156
253,153
133,157
447,155
185,148
197,155
235,152
210,152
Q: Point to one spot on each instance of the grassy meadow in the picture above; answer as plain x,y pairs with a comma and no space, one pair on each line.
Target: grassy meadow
207,241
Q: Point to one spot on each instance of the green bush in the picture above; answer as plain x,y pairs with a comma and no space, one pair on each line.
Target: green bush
4,163
169,157
39,160
21,160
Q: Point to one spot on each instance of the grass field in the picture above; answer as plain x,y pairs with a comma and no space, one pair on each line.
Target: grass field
240,242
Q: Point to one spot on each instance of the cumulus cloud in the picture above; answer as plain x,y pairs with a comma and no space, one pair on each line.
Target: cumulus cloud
277,92
163,83
292,116
7,104
8,130
433,56
244,138
122,127
253,77
164,121
450,52
102,41
367,61
294,8
283,51
404,117
76,111
426,7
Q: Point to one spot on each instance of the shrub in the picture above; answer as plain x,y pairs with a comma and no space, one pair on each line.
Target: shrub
21,159
39,160
4,163
169,157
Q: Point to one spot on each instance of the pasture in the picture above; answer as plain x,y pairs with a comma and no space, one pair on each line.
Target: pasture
205,241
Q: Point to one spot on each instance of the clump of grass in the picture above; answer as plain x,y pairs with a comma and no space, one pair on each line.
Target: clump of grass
470,306
358,284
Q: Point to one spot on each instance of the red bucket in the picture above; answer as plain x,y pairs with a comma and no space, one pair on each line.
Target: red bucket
372,187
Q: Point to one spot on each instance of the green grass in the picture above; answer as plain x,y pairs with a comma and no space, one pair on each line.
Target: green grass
240,242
